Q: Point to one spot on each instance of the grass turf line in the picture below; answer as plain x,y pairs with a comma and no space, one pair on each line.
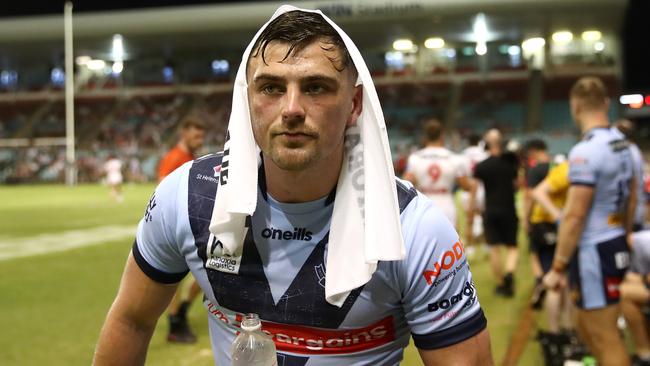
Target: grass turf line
54,305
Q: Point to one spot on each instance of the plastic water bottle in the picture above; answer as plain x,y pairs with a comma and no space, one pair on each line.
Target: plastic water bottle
252,347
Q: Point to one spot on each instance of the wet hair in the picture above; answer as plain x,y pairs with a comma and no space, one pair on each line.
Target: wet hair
591,92
432,130
299,29
535,144
192,121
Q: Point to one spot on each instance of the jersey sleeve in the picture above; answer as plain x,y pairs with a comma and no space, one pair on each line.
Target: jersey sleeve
156,249
583,165
558,178
478,170
438,293
464,166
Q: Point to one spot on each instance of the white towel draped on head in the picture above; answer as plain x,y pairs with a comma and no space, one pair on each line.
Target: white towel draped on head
365,225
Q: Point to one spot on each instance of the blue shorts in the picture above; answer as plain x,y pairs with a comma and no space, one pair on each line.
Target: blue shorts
597,271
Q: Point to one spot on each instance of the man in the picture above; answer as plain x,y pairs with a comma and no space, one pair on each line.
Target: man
474,154
434,170
499,174
596,219
192,133
635,296
297,86
113,170
549,196
627,128
538,224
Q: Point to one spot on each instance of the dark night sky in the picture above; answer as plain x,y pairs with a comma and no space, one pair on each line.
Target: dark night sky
33,7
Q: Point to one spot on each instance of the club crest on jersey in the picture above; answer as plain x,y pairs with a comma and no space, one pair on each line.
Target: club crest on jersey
320,274
219,261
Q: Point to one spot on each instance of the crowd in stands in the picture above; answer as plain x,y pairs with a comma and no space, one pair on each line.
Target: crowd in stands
139,129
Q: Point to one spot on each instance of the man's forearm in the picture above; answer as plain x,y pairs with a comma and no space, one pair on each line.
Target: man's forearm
569,234
122,343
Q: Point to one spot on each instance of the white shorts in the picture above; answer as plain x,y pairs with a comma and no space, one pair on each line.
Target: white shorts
114,179
446,203
479,199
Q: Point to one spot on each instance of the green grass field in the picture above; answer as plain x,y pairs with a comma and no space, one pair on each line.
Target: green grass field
53,304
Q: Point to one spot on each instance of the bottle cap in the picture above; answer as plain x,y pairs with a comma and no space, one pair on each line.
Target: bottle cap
251,323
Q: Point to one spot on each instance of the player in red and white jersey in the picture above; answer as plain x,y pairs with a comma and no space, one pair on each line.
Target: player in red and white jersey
435,170
113,171
474,154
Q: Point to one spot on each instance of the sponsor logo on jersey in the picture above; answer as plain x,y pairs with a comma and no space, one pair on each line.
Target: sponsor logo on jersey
612,287
150,206
218,260
300,339
298,233
320,274
468,292
208,178
446,263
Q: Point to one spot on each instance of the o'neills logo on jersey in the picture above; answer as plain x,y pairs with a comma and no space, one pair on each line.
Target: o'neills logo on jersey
298,233
447,262
310,340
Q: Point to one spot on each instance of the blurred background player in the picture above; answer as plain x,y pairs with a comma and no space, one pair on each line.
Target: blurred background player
635,296
627,128
114,179
549,198
474,154
596,220
435,170
192,134
499,174
538,224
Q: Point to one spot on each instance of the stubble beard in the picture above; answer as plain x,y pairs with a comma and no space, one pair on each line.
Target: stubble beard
293,158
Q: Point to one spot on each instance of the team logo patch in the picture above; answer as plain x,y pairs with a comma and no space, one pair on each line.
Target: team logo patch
219,261
217,170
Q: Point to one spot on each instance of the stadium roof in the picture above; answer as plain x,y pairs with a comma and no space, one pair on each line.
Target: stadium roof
227,27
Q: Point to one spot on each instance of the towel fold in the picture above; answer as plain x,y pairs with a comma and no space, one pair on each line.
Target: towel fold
365,227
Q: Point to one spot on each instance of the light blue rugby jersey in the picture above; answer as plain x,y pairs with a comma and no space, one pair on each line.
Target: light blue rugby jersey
281,275
603,160
637,160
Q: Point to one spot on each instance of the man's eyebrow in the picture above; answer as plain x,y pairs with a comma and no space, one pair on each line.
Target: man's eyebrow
319,77
267,77
310,78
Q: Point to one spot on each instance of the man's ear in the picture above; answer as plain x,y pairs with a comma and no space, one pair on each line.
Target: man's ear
357,106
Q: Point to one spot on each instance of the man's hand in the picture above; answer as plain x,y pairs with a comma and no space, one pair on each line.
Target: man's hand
555,280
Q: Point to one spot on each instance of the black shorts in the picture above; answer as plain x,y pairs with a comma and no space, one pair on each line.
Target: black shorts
500,229
596,272
543,238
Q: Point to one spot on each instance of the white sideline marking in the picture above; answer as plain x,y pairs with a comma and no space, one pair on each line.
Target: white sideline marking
58,242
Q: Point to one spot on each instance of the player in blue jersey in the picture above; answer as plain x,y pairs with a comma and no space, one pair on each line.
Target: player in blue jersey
302,97
595,222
